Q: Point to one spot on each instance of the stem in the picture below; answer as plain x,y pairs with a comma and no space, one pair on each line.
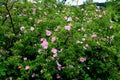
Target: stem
6,5
6,13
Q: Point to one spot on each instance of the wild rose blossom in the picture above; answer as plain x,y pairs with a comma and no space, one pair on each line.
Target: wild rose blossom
53,39
82,59
58,76
69,19
59,66
48,33
53,58
68,27
54,50
27,67
33,75
111,27
32,29
85,35
44,44
93,36
42,39
39,21
25,58
55,55
22,28
60,50
86,45
19,67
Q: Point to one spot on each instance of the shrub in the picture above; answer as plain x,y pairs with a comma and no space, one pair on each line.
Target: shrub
59,42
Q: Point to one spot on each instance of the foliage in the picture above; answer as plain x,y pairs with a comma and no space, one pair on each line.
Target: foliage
55,41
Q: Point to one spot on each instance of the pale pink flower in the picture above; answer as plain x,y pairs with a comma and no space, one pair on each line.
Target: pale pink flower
67,27
86,45
65,17
85,35
22,28
53,58
27,67
93,36
82,9
42,39
59,66
54,50
58,76
60,50
30,18
82,59
33,75
69,19
32,29
53,39
25,58
48,33
44,44
111,27
19,67
39,21
55,55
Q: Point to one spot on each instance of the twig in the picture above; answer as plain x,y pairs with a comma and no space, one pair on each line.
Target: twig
7,13
6,5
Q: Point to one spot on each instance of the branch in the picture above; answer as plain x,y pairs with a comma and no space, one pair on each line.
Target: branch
7,13
6,5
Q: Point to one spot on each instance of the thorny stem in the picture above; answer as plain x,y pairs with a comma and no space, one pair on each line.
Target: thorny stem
6,5
7,13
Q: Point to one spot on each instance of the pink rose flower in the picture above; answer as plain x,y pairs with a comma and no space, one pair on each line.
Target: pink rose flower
25,58
44,44
39,21
67,27
19,67
86,45
58,76
93,36
69,19
48,33
22,28
85,35
59,66
27,67
54,50
32,29
55,55
82,59
53,39
42,39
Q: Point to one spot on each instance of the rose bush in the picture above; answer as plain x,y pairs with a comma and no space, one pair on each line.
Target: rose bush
59,42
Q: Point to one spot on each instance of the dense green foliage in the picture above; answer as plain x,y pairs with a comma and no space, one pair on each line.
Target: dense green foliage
54,41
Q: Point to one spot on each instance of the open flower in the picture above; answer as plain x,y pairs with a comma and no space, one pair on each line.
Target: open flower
53,39
32,29
48,33
59,66
86,45
93,36
25,58
58,76
69,19
19,67
42,39
44,44
22,28
68,27
82,59
27,67
54,50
